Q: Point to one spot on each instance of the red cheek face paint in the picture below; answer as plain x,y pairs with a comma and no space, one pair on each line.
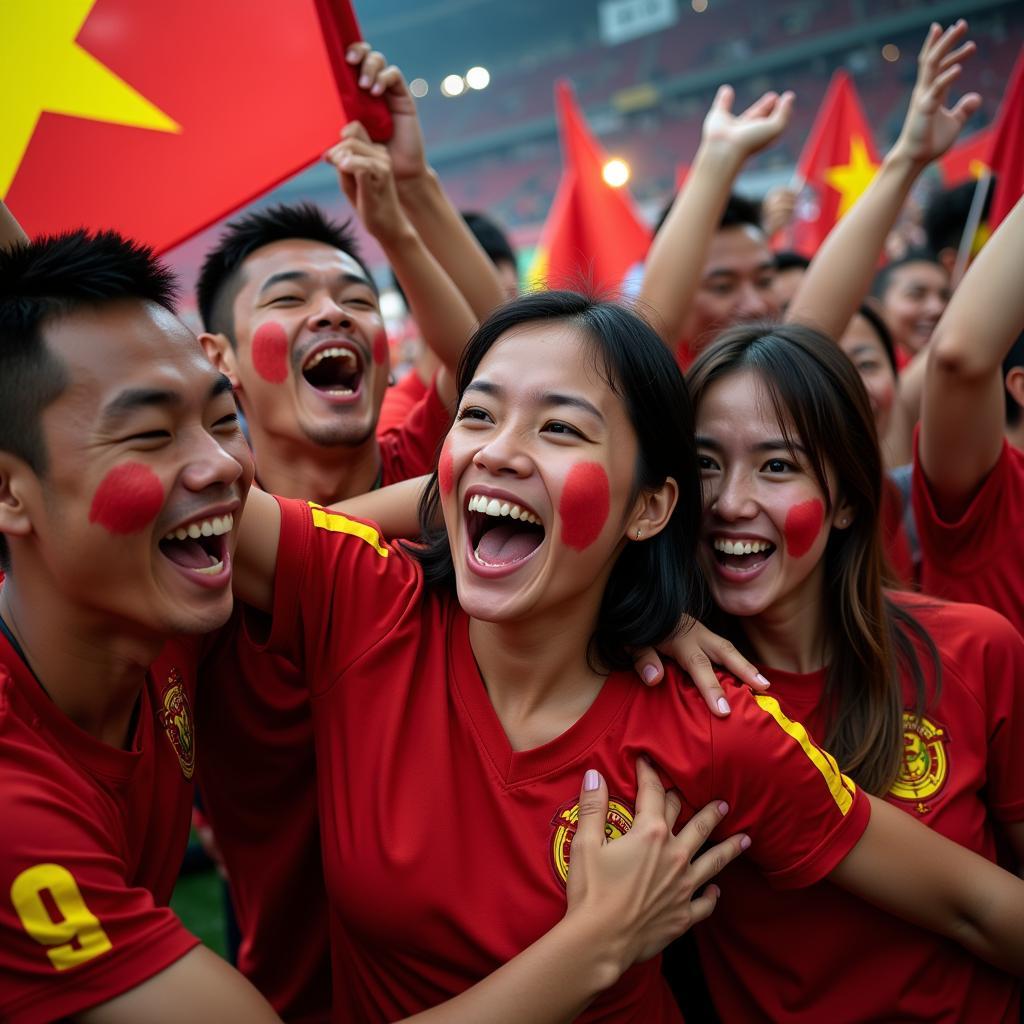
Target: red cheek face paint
380,347
803,524
270,353
445,471
128,498
584,505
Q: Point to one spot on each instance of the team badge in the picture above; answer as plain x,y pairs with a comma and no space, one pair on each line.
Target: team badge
176,718
617,824
925,764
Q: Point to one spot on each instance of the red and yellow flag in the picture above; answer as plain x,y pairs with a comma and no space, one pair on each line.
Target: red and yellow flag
967,160
838,162
1006,158
593,234
159,118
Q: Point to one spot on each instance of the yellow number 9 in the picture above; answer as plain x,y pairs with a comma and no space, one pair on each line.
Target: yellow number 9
78,923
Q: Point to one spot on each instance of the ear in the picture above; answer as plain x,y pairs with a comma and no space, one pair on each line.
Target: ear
1015,384
947,257
653,511
843,515
221,353
18,482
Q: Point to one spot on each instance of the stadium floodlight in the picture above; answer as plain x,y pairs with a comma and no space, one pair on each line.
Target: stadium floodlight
700,6
453,85
419,87
615,172
891,53
478,78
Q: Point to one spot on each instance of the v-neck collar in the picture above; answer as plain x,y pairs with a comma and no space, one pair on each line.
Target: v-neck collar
516,767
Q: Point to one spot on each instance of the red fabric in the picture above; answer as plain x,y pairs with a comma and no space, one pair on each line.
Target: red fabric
822,955
399,401
257,783
840,123
114,822
441,843
979,557
967,160
593,234
897,547
249,84
1007,156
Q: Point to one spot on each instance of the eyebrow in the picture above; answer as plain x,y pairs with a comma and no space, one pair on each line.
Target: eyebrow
132,400
771,445
303,277
547,398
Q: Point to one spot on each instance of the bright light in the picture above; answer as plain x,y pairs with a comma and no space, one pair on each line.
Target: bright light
478,78
891,53
419,88
615,173
453,85
700,6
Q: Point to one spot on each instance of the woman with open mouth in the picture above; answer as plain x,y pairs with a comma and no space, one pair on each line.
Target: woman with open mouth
460,688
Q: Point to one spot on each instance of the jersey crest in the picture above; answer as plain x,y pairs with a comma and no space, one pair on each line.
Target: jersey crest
618,822
925,764
175,716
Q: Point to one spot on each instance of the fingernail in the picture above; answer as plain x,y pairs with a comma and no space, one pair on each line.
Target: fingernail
723,807
352,55
377,89
761,679
364,81
650,673
591,781
723,705
745,843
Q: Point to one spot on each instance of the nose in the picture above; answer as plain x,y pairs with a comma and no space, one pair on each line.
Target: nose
754,303
328,314
730,498
504,454
211,465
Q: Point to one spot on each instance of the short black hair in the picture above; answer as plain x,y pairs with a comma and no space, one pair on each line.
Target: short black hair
1014,358
652,583
884,277
787,259
492,239
738,210
945,216
220,278
48,278
881,328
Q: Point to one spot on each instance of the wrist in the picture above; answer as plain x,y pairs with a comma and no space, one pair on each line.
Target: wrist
413,187
397,235
900,162
597,952
719,157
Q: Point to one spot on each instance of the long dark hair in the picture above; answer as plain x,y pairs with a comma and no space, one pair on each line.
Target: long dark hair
656,581
820,401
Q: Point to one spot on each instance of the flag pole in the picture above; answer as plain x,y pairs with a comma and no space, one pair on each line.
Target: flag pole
974,215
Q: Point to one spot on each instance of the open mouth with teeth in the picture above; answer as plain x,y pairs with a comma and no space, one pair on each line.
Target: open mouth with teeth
741,555
200,546
501,532
334,371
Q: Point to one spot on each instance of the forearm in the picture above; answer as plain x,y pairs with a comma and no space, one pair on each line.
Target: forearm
549,982
841,272
10,230
450,241
679,250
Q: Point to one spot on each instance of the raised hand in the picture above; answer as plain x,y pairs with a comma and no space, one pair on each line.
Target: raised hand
930,127
747,133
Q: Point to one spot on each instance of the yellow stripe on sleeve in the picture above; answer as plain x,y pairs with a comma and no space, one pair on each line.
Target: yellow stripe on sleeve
841,788
337,523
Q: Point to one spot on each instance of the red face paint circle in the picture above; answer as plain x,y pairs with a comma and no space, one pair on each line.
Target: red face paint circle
270,353
803,524
128,498
584,505
445,471
380,347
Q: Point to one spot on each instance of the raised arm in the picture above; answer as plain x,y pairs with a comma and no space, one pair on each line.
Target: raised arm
680,248
962,409
423,198
443,316
841,272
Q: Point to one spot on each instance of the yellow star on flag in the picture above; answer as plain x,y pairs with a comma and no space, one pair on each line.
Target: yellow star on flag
850,180
43,68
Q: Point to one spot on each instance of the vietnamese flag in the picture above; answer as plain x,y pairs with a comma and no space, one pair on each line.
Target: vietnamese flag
967,160
593,234
1006,159
158,119
837,164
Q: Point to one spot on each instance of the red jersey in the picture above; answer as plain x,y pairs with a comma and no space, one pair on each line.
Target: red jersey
894,536
445,850
93,841
979,557
258,788
822,955
399,401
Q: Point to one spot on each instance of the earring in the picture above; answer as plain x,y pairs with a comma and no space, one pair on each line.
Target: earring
638,533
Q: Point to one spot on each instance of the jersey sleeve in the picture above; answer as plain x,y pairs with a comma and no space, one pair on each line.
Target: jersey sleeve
410,450
339,588
802,814
73,932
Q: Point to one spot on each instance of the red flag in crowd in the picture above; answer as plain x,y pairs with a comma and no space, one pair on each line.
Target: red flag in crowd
968,160
157,119
838,162
1007,157
593,234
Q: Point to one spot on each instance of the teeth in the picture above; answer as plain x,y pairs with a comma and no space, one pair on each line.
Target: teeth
740,547
331,353
494,507
213,568
214,526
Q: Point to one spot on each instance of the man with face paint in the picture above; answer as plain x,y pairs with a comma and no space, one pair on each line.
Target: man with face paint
122,474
